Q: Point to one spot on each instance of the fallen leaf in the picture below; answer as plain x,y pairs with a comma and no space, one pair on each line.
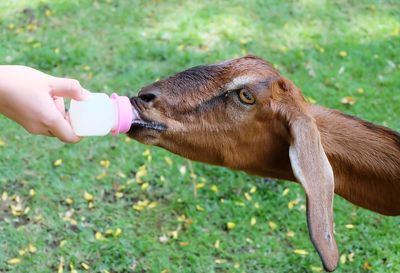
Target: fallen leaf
99,236
230,225
105,163
32,249
301,252
285,192
163,239
343,259
57,163
290,233
88,196
32,192
367,266
349,100
272,225
214,188
14,261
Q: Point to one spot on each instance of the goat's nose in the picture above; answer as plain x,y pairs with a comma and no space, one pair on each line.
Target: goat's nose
149,94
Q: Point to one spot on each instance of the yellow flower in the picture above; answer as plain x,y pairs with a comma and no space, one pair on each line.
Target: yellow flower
217,244
57,163
2,143
360,90
253,189
230,225
301,252
85,266
256,205
199,208
88,197
247,196
343,53
14,261
69,201
214,188
21,252
349,226
272,225
104,163
253,221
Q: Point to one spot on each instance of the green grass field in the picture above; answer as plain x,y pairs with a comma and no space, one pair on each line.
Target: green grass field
113,205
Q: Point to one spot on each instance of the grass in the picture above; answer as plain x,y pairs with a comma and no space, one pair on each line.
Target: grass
330,49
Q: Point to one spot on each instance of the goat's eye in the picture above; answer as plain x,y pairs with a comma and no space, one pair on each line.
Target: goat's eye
246,97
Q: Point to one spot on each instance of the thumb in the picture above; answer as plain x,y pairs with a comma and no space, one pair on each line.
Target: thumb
69,88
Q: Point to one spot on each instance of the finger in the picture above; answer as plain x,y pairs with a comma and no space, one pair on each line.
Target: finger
61,129
59,102
69,88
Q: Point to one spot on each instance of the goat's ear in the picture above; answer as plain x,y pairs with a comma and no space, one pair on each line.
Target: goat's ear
313,171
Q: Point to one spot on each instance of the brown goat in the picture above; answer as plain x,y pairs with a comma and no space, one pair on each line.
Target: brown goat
242,114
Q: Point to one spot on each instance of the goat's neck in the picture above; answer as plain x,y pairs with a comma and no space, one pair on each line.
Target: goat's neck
365,158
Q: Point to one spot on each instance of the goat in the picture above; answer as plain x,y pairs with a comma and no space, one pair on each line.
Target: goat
242,114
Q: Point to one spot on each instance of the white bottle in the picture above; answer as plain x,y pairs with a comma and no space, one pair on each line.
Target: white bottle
100,114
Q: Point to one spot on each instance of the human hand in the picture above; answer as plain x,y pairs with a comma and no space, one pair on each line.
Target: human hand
35,100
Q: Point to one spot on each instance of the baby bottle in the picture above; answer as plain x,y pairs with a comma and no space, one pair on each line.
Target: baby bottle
101,114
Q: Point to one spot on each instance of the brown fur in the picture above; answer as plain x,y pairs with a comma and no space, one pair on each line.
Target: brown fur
207,123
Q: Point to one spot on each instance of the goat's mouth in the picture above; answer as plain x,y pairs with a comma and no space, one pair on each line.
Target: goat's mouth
144,128
144,124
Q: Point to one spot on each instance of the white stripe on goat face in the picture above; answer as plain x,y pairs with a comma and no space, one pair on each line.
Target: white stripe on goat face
239,81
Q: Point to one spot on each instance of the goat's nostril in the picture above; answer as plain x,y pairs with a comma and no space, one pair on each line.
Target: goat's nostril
147,97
